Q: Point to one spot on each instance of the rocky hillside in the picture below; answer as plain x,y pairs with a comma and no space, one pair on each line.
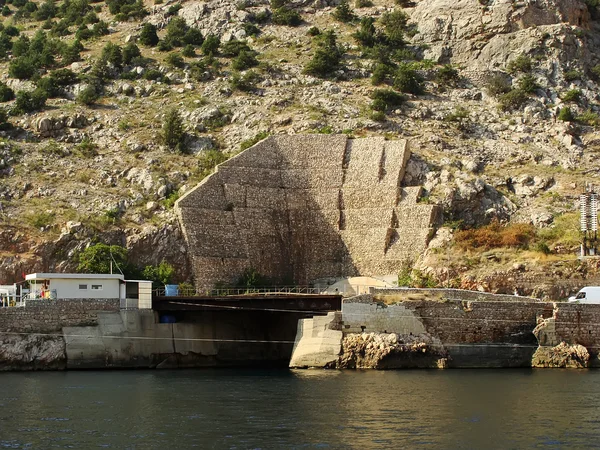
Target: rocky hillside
112,109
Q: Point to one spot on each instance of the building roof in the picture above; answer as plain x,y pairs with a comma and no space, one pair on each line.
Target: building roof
74,276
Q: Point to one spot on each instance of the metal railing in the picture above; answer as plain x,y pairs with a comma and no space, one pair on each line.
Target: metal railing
222,292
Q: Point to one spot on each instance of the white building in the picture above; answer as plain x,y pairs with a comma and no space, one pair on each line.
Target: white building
132,293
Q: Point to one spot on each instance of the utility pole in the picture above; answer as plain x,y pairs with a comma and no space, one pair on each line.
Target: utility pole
588,206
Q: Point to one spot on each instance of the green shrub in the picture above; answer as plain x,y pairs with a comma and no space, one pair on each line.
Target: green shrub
314,31
207,161
595,72
154,75
250,29
446,74
589,118
380,73
250,142
245,60
112,53
407,80
159,275
188,51
528,84
6,93
245,83
49,86
363,3
99,258
148,35
384,99
377,116
88,95
512,100
40,219
566,115
175,60
211,44
459,114
87,148
130,52
23,68
193,36
47,10
29,101
497,85
126,9
234,47
542,247
286,16
572,75
343,13
327,57
366,36
572,95
173,135
521,64
176,30
164,46
395,25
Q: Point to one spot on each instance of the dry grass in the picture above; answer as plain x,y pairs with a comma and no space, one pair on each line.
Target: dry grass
495,235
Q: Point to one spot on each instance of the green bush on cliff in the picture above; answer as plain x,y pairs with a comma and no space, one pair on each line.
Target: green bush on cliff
97,259
173,134
327,57
159,275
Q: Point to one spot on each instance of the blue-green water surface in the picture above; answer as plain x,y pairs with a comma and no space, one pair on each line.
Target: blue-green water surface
240,409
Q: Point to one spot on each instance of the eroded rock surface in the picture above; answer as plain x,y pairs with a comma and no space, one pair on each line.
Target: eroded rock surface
390,351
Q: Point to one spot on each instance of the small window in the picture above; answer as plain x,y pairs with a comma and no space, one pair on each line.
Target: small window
96,287
581,295
83,287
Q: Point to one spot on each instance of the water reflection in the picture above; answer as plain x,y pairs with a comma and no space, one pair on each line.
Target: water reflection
300,409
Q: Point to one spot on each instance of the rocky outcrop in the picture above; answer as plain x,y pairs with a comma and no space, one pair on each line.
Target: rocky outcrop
32,352
390,351
486,35
562,356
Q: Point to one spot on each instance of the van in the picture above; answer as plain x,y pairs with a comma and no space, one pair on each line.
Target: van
587,295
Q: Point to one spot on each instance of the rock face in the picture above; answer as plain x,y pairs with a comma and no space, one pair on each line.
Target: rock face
485,35
390,351
32,352
306,207
563,356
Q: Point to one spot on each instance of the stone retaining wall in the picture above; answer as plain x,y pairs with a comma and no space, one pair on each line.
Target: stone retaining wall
402,294
45,316
306,207
473,333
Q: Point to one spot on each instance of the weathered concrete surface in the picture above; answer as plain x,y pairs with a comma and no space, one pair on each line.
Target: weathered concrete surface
318,342
306,207
207,339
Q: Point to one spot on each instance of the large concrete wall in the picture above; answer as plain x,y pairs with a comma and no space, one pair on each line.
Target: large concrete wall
95,334
298,208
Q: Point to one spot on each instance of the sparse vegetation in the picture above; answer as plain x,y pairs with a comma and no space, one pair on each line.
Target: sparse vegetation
173,135
522,63
327,57
495,235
